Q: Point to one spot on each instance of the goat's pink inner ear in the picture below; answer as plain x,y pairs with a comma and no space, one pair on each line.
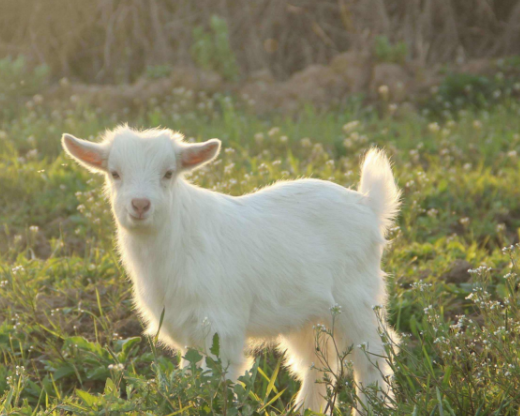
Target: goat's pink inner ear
86,155
195,156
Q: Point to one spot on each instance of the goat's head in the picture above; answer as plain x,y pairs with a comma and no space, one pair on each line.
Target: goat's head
141,169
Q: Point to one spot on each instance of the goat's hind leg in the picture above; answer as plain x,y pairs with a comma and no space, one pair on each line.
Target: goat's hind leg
300,349
368,355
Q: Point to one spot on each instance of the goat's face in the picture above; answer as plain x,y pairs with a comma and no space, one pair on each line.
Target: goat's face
141,169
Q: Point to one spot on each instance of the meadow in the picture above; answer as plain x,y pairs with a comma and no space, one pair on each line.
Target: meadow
71,343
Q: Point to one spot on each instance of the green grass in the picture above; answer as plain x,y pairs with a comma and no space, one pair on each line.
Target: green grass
70,342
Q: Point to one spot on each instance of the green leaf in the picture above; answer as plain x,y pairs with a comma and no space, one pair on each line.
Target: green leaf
439,401
84,344
160,325
447,374
125,346
180,411
65,371
272,400
87,398
98,373
110,387
193,356
215,346
271,386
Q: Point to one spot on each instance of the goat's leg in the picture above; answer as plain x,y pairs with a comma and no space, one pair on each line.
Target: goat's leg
301,355
368,354
231,350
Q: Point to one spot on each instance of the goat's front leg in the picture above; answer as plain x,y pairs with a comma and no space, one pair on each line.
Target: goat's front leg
231,351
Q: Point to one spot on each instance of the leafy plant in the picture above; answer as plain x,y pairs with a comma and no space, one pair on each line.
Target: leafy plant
158,71
17,79
212,50
385,51
70,339
465,90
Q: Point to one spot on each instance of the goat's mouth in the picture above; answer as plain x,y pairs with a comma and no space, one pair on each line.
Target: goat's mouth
139,220
138,217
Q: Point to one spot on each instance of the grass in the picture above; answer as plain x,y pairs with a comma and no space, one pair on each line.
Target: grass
70,342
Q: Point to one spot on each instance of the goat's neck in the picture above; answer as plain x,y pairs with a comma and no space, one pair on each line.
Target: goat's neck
155,258
183,222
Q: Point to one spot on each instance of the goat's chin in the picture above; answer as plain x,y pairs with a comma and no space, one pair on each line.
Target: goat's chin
137,224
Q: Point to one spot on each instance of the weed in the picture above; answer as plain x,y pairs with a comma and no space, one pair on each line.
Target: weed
384,51
211,49
71,342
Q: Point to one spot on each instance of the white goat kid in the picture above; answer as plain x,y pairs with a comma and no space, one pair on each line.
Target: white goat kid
267,265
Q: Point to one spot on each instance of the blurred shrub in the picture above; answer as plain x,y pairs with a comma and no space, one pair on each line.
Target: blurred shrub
158,71
17,79
114,41
385,51
464,90
211,49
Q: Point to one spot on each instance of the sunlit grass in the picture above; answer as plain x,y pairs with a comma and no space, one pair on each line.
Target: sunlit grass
71,342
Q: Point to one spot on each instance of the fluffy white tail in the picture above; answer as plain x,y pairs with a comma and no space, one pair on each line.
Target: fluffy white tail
378,184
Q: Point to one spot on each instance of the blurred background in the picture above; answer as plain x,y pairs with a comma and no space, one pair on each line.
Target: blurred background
277,53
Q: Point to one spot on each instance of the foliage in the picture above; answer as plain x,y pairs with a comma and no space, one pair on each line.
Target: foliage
71,342
18,79
211,49
459,91
384,51
108,41
171,390
158,71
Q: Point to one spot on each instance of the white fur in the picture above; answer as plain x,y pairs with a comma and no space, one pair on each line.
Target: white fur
267,265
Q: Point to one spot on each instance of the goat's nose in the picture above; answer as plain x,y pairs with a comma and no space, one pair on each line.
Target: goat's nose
141,205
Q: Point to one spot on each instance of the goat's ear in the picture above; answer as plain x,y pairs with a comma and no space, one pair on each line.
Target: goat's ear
91,155
193,156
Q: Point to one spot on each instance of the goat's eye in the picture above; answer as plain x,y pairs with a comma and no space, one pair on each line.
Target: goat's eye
168,175
115,175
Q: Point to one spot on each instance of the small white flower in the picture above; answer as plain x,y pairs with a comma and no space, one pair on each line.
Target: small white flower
274,132
350,126
432,212
17,269
229,168
434,127
306,142
335,309
383,90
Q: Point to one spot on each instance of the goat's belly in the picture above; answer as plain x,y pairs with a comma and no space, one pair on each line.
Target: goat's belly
268,319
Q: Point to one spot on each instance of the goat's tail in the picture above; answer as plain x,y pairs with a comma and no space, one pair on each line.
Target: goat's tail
378,185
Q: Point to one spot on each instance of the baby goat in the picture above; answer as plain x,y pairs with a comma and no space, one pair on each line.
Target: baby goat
263,266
